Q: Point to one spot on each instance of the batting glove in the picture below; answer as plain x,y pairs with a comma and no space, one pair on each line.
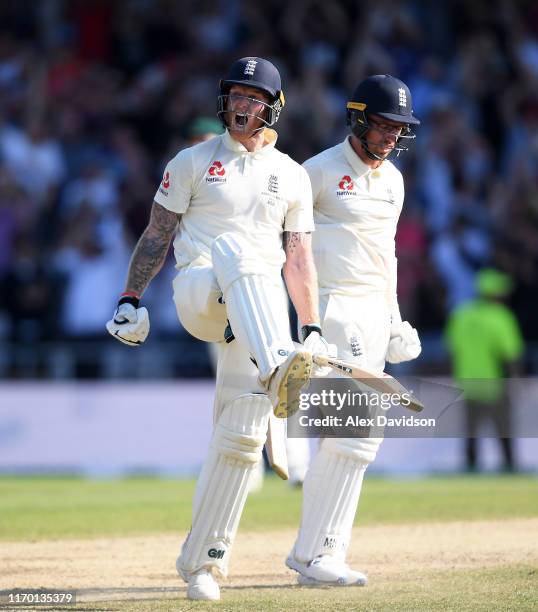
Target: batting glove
130,324
404,343
314,342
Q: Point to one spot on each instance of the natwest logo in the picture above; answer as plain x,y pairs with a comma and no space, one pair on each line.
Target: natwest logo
346,184
165,184
217,169
216,173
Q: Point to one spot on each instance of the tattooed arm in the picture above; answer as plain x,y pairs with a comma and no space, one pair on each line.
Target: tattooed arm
301,277
150,251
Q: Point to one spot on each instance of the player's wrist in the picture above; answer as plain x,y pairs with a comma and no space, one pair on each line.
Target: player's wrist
306,330
129,297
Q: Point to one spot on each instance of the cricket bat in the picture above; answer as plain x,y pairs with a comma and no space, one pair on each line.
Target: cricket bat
275,446
383,383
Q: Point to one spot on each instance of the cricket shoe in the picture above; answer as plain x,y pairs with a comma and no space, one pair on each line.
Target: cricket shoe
326,571
202,585
284,386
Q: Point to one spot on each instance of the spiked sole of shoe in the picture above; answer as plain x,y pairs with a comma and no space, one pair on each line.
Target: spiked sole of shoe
298,373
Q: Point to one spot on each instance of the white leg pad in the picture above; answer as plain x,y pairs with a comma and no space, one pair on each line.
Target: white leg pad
298,452
331,493
256,303
223,484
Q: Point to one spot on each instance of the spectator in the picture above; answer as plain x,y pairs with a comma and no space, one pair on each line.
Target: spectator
90,268
33,158
30,291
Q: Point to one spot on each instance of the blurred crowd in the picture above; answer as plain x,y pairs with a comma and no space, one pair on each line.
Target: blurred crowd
96,96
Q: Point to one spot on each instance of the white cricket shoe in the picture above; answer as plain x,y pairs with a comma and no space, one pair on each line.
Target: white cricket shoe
202,585
326,570
286,382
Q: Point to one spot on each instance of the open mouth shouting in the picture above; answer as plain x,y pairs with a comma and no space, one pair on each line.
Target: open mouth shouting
245,114
241,119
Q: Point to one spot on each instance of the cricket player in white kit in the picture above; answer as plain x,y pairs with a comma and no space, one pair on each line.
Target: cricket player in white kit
243,213
358,196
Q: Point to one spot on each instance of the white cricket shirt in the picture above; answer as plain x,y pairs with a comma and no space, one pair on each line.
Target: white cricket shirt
218,186
356,210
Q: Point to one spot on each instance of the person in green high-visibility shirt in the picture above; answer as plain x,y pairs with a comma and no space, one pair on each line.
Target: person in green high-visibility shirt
485,343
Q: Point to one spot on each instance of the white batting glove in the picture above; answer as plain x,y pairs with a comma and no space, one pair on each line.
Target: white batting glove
404,343
129,325
314,343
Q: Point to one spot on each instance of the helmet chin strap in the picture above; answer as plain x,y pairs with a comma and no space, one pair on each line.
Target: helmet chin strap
394,153
373,155
369,153
249,134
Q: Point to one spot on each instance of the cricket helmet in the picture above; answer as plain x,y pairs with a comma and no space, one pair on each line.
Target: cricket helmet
387,97
258,73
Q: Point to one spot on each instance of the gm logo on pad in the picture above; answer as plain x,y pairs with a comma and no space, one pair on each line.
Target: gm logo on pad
215,553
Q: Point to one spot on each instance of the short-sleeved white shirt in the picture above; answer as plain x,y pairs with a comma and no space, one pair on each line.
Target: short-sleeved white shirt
218,186
356,210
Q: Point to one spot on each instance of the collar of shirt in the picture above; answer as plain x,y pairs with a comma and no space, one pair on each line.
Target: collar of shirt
354,160
269,141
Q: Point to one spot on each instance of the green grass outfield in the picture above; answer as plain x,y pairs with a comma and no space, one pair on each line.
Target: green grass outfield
43,508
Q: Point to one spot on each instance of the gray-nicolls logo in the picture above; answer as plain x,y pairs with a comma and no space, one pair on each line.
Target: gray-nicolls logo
272,184
250,67
402,97
356,349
